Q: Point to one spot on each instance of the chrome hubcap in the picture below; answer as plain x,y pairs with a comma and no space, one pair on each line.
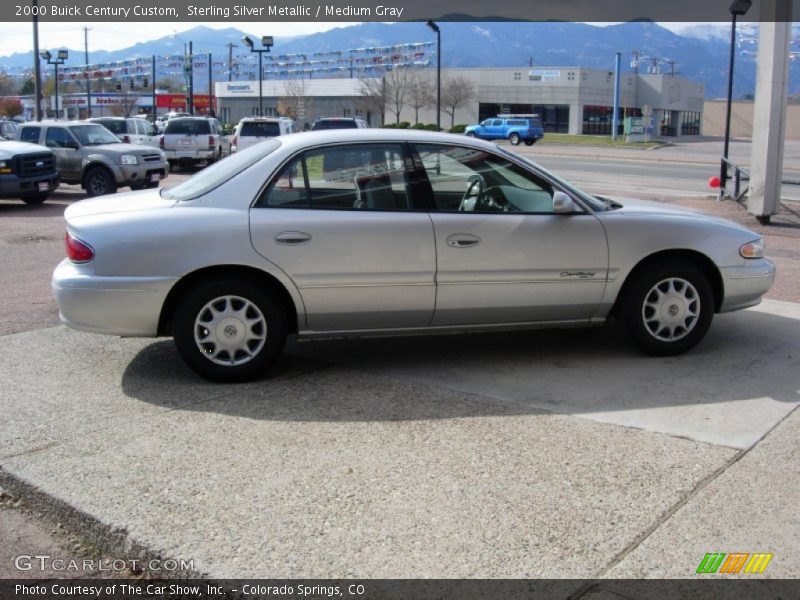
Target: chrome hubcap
230,330
671,309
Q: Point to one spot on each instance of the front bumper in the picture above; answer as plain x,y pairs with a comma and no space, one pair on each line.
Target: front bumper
124,306
141,173
745,285
12,186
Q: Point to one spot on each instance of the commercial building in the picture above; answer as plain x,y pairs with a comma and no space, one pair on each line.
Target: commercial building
742,113
570,100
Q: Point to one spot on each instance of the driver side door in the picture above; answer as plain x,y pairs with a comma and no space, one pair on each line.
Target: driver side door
65,147
503,254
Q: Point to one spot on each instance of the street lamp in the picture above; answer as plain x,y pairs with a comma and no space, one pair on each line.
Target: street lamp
267,42
739,8
438,32
61,57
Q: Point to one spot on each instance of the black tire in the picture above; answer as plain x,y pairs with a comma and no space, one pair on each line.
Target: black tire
231,294
139,185
152,184
530,142
35,198
514,139
99,182
470,134
171,164
665,326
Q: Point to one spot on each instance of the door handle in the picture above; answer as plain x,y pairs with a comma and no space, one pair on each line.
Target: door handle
463,240
292,238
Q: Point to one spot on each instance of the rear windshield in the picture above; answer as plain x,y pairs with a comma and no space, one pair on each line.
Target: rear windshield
193,127
114,126
334,124
260,129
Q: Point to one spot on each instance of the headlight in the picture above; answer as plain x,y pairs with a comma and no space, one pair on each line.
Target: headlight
754,249
129,159
4,168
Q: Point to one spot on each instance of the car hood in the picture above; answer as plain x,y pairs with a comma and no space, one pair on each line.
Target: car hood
661,209
11,148
118,203
120,149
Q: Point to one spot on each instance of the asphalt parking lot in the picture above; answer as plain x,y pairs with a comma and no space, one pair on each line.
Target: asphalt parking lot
535,454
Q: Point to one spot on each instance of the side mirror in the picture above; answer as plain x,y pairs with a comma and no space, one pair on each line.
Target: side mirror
562,204
71,145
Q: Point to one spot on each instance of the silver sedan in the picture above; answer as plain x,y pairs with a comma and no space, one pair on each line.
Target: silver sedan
370,231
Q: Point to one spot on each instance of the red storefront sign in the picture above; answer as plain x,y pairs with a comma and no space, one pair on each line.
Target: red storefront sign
178,101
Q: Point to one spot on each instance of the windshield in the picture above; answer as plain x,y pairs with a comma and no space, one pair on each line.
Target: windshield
93,135
595,204
218,173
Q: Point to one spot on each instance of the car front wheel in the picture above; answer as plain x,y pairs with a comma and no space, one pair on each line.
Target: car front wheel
470,134
100,182
230,330
667,308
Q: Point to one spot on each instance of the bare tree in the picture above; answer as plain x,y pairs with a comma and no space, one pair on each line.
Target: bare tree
295,102
397,84
373,96
126,106
419,93
456,92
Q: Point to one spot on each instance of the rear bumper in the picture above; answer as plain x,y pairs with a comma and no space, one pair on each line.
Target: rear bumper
124,306
189,155
744,286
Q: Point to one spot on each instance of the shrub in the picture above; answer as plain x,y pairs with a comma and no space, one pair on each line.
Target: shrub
458,128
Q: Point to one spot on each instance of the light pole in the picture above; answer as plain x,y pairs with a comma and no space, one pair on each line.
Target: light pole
438,32
61,57
267,42
739,8
37,67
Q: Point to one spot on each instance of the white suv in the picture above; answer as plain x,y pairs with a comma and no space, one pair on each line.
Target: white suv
252,130
187,141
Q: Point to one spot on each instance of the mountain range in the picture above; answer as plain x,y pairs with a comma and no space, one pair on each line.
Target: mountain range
699,53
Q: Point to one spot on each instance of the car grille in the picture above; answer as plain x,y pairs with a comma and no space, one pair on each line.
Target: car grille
151,157
31,165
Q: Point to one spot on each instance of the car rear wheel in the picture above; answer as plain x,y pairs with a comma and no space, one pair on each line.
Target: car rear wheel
667,308
100,182
35,198
530,142
230,330
514,139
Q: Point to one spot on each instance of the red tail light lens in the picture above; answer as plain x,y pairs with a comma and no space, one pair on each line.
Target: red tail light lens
211,142
77,251
161,142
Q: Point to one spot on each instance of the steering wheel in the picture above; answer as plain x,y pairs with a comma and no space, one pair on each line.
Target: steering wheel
477,184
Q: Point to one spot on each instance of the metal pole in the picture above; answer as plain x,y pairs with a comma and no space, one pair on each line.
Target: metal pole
37,67
438,80
190,95
260,88
723,176
615,119
155,106
88,81
210,89
230,60
55,65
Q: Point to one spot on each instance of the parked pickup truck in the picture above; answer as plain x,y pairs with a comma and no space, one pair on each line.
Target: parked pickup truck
90,155
27,172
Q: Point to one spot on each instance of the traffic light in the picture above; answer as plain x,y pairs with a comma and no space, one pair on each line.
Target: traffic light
119,86
145,82
131,82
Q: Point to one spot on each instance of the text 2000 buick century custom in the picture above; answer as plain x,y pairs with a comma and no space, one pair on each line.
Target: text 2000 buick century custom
365,231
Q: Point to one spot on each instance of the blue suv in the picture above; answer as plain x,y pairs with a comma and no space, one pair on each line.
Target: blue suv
514,128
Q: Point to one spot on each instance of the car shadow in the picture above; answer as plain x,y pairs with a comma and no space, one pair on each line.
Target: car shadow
745,356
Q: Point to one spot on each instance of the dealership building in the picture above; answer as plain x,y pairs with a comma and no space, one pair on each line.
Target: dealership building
570,100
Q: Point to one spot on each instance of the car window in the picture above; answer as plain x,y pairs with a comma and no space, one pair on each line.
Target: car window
57,137
497,122
518,123
260,129
220,172
114,126
140,127
334,124
29,134
93,135
361,177
472,180
188,127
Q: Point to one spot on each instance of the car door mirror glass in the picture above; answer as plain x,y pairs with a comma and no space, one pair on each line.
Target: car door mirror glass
562,203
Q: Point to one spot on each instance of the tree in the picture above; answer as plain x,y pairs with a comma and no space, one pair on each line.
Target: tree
456,92
295,102
373,96
27,87
126,106
419,93
7,85
396,86
10,107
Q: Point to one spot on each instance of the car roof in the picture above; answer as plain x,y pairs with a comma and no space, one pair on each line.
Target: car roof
378,135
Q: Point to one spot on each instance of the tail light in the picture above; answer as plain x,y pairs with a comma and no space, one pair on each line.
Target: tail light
233,143
161,142
211,142
77,251
126,139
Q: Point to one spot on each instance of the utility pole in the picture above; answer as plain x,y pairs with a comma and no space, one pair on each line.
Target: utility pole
37,68
88,81
190,91
153,83
231,46
211,111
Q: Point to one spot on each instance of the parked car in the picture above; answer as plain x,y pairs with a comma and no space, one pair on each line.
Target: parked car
339,123
8,129
131,130
90,155
421,232
27,171
187,141
161,122
514,128
252,130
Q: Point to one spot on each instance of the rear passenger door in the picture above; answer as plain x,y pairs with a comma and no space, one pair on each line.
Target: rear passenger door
342,223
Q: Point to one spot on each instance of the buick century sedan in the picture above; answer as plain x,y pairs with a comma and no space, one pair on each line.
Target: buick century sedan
367,231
